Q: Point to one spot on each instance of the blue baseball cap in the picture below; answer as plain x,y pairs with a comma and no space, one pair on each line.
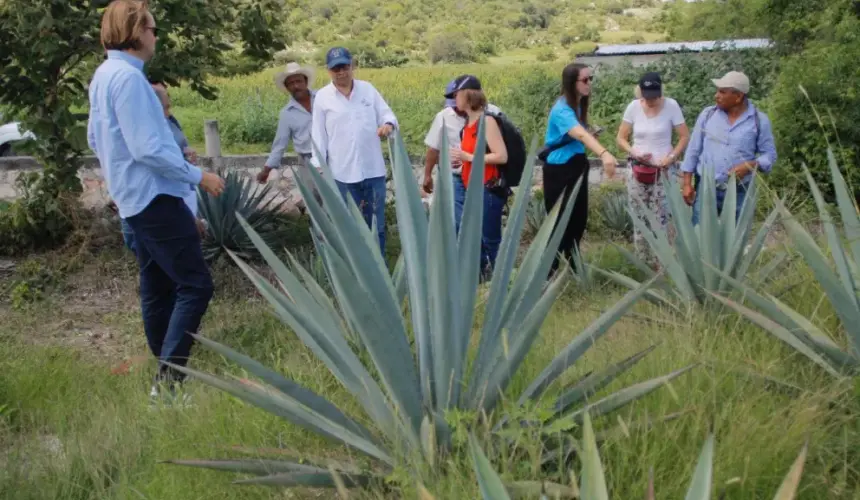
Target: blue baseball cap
449,89
337,56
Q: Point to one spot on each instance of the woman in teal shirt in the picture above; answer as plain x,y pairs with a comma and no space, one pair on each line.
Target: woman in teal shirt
566,139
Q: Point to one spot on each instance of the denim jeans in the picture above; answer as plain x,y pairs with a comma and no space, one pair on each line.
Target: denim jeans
369,195
721,195
127,235
491,233
175,284
459,201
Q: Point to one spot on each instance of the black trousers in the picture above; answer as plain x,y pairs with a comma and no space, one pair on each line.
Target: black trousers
558,184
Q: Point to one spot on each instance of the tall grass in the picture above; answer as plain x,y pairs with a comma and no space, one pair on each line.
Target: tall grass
761,398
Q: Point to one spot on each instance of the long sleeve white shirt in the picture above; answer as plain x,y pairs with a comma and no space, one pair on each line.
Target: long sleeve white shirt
344,130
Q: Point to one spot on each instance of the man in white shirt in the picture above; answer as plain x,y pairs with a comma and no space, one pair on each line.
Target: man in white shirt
349,118
294,121
451,120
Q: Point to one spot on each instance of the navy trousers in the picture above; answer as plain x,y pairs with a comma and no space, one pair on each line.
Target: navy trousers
175,284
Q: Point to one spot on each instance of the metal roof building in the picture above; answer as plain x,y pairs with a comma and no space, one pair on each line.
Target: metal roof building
664,48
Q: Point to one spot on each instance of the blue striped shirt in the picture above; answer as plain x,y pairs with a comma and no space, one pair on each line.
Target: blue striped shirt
130,136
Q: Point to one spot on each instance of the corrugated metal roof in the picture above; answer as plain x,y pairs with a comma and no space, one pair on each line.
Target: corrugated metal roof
662,48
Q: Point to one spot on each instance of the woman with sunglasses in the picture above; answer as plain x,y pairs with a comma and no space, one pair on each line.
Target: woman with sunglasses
565,162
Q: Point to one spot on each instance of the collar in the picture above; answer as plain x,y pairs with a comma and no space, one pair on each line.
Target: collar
295,104
125,56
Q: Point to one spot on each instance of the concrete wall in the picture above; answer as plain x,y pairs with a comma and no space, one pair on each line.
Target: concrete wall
95,191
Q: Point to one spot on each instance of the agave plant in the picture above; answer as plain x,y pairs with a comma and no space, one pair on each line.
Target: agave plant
535,214
614,214
593,478
839,286
241,197
406,394
702,258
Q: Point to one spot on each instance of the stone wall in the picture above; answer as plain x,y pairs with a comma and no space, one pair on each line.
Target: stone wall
95,192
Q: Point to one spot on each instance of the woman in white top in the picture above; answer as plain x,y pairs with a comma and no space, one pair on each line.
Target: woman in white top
651,118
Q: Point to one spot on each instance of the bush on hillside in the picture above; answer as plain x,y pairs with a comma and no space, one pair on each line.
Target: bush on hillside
830,73
452,48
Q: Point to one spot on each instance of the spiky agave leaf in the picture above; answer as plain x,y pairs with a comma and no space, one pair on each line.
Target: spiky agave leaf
694,259
839,285
405,393
240,196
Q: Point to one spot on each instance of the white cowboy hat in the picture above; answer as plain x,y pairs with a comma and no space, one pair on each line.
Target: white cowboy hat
294,68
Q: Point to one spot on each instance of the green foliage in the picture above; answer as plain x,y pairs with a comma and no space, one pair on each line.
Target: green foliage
366,329
593,475
31,282
546,54
715,19
615,216
840,287
816,104
40,218
45,91
608,196
701,260
241,197
451,47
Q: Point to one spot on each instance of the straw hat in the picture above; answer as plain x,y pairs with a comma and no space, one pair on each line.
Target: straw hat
294,68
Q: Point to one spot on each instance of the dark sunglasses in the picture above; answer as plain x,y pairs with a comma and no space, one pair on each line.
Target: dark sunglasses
587,79
154,30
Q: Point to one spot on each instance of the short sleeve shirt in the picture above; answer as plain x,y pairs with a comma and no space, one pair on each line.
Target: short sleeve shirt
654,134
562,118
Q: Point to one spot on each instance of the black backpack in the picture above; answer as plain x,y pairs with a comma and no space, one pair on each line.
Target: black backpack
512,171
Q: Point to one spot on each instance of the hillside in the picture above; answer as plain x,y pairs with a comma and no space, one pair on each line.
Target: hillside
418,31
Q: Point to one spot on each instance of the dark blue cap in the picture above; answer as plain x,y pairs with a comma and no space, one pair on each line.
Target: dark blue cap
337,56
449,89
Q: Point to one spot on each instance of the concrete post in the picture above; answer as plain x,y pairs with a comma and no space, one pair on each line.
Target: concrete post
213,141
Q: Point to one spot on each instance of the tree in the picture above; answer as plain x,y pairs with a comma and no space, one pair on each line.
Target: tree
48,51
453,47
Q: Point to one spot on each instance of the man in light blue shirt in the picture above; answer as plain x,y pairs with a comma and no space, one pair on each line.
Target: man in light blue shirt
147,177
731,138
187,151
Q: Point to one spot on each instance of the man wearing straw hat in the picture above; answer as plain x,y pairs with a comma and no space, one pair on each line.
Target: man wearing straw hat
294,122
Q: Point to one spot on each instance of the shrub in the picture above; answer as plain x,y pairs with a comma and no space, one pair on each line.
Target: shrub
451,48
546,54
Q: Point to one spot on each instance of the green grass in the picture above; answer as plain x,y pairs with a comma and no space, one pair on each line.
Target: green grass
55,389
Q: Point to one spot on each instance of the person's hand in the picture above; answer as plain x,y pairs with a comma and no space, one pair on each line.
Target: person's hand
741,170
666,162
212,184
190,155
644,158
458,155
688,193
609,164
201,227
428,184
385,130
263,176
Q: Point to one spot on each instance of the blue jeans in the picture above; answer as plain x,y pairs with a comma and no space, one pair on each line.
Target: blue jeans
369,195
491,233
459,201
175,284
721,195
127,235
